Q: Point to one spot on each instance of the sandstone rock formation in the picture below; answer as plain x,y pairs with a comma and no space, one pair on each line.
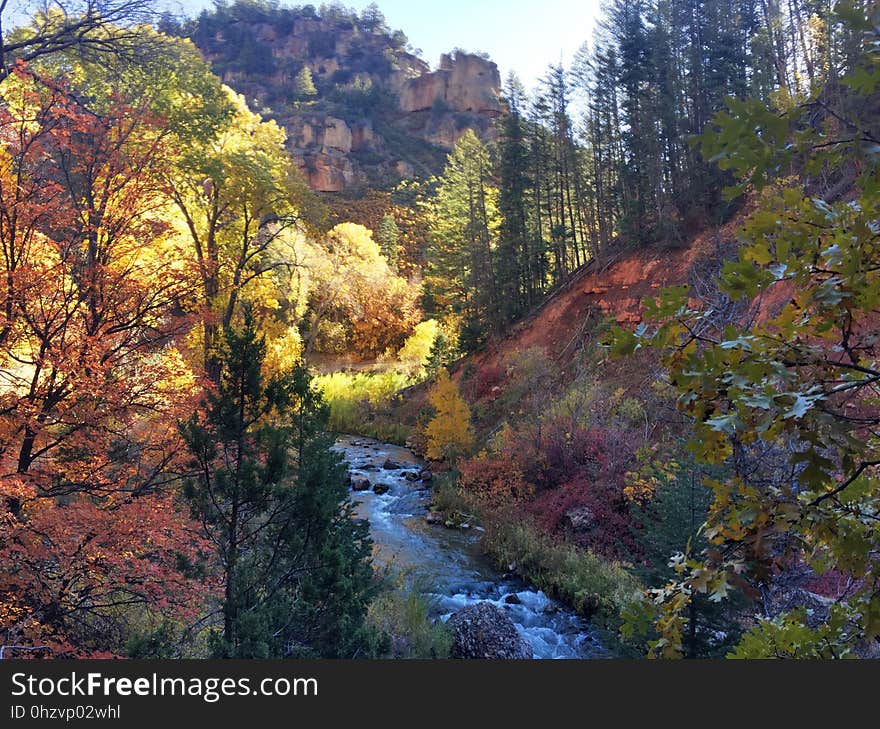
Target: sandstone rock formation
464,82
380,112
320,147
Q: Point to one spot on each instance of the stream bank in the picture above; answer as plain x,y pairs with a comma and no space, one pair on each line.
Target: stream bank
449,561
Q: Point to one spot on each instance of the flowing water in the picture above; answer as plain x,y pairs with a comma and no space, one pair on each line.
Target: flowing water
449,560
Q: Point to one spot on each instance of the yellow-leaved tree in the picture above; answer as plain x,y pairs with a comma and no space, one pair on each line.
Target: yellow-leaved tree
357,297
416,350
449,433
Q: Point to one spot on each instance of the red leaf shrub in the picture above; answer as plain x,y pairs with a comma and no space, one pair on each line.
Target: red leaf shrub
555,452
483,380
608,530
555,466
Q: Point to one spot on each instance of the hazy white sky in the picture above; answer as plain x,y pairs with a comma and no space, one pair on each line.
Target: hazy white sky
520,35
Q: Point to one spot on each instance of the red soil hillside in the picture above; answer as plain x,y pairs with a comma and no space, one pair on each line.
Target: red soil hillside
615,288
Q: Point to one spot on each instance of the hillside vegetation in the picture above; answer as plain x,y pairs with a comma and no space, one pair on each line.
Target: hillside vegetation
630,318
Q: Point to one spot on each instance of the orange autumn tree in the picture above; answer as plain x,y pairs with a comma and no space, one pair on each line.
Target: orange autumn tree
355,291
91,385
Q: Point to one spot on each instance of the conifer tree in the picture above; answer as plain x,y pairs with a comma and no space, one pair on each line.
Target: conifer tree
294,566
461,256
304,85
388,238
516,280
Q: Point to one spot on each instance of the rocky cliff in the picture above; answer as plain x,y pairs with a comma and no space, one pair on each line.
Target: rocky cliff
359,105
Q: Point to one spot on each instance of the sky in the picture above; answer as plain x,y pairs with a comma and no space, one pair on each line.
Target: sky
523,36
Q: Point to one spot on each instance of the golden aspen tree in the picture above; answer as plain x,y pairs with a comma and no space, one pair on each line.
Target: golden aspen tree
449,433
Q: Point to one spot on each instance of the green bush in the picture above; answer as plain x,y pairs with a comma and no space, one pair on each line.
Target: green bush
597,588
401,616
449,499
356,401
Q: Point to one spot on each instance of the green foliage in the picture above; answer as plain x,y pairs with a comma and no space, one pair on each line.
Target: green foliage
304,85
595,587
356,402
463,229
375,388
388,238
229,32
448,496
401,615
155,644
519,279
270,495
787,636
671,523
443,352
802,381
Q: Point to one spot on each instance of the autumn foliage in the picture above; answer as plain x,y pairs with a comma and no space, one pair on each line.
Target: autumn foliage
357,293
91,383
449,432
549,467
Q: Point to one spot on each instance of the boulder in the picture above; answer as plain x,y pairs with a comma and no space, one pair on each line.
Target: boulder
381,488
426,475
360,484
483,630
580,519
411,476
434,517
390,465
512,599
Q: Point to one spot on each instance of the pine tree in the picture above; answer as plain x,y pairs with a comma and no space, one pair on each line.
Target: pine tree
372,20
295,567
463,233
670,523
304,85
388,238
516,284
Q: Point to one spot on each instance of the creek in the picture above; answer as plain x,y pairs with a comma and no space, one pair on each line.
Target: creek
447,564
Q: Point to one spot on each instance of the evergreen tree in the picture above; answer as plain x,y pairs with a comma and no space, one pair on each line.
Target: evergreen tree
388,238
670,523
516,281
463,231
269,492
304,85
373,20
630,173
